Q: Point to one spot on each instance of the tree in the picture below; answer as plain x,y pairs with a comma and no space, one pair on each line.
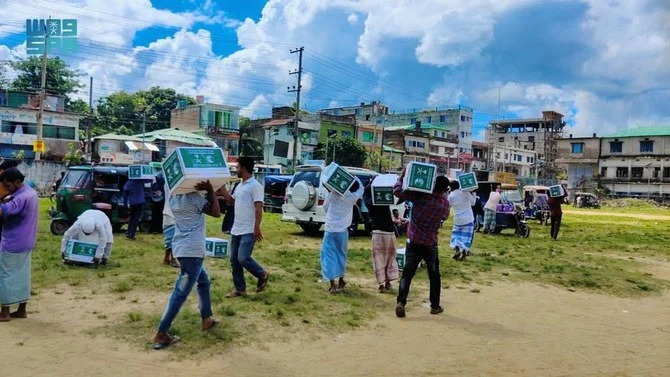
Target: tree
78,106
60,81
348,152
118,109
3,80
249,146
375,160
158,103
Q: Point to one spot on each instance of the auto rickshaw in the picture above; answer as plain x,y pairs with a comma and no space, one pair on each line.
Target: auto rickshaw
536,204
94,187
275,191
586,200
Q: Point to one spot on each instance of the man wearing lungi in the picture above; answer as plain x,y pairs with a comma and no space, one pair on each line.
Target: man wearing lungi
383,243
428,213
18,240
464,220
339,213
490,209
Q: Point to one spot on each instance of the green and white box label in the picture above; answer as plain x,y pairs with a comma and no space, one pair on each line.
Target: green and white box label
78,251
216,247
140,172
202,158
186,167
382,189
337,178
556,191
420,177
468,181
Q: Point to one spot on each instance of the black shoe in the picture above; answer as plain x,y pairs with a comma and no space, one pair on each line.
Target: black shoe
437,310
130,238
400,310
104,261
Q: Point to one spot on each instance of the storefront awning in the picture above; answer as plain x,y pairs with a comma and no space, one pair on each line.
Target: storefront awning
135,146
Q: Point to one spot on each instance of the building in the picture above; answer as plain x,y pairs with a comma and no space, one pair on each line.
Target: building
221,122
456,120
152,146
395,157
536,134
363,112
425,142
18,125
336,125
517,160
278,140
370,135
480,156
579,157
636,162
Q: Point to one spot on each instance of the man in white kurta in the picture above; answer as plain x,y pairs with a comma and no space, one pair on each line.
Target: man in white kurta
92,226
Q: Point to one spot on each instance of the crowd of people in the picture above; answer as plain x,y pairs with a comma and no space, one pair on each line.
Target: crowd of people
182,222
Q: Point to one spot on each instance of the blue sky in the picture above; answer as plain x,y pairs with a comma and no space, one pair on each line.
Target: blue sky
602,63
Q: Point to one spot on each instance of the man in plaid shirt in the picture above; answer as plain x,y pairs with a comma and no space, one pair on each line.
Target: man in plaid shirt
428,213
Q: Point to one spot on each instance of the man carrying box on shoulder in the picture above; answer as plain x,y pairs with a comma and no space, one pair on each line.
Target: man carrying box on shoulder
188,246
428,213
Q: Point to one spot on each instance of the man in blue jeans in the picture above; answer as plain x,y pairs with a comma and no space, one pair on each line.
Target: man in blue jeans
188,246
134,189
248,202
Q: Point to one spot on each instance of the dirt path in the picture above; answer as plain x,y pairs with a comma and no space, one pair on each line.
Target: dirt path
506,330
639,216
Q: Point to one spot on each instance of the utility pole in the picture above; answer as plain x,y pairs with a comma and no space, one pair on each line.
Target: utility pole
43,85
297,103
89,147
144,129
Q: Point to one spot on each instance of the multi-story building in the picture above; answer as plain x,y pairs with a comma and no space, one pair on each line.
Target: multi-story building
336,125
18,125
441,147
535,134
370,135
363,112
516,160
579,158
636,162
480,156
278,140
395,157
220,122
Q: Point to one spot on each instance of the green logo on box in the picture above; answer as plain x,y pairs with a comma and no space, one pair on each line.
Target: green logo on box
382,195
467,181
421,177
340,181
172,170
400,258
83,249
202,158
134,171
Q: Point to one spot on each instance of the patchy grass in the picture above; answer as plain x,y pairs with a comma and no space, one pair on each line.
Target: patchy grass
597,254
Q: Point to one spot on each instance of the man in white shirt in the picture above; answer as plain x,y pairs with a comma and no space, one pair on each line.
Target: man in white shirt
490,210
464,220
339,213
246,231
92,226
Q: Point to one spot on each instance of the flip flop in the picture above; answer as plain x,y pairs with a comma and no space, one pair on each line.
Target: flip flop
212,325
236,294
171,340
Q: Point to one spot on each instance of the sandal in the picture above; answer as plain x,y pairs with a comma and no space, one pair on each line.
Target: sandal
235,294
167,342
18,315
212,325
174,263
263,282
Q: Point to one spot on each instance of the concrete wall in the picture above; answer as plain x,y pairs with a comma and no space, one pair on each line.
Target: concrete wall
186,118
43,173
631,146
591,149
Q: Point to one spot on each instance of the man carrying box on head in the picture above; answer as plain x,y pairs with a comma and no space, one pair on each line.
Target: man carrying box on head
428,213
246,231
339,214
18,240
92,226
188,246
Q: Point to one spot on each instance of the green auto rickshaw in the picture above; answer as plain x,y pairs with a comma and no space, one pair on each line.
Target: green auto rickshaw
95,187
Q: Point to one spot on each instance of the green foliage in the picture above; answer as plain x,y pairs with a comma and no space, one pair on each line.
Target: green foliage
249,146
19,155
78,106
4,82
375,159
73,155
60,81
348,152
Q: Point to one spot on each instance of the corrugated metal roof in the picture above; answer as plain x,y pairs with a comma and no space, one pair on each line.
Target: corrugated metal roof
117,137
643,131
392,150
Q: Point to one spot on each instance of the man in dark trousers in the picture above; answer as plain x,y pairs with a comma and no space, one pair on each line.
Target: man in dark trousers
428,213
134,189
556,213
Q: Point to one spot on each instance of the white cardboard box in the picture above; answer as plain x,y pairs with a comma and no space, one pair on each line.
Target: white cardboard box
216,247
382,189
78,251
186,167
337,178
420,177
141,172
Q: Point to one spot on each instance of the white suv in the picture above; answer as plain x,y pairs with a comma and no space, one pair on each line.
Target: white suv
305,195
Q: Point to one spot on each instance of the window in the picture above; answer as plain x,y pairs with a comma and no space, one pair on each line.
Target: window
434,149
577,148
637,172
331,132
666,172
429,119
603,172
616,146
368,137
531,139
444,134
501,139
420,144
56,132
506,156
346,133
435,133
462,118
647,146
622,172
19,128
443,118
657,173
367,117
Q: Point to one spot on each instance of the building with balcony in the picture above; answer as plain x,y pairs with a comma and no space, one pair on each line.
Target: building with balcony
536,134
370,135
636,162
480,156
18,125
579,157
278,140
362,112
220,122
516,160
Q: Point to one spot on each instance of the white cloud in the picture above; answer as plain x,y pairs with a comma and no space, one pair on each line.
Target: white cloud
352,19
259,105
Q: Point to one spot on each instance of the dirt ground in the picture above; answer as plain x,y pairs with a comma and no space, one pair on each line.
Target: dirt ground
504,330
